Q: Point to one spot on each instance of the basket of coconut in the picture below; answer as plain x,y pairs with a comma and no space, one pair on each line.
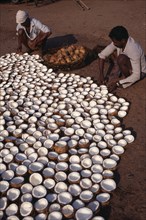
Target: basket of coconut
67,58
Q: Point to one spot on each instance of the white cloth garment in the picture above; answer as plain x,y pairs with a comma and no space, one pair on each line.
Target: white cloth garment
35,27
136,55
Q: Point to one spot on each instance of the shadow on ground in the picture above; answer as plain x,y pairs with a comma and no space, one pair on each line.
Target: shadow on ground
61,41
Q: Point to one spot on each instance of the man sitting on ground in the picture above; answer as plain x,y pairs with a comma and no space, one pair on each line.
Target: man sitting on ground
31,33
128,60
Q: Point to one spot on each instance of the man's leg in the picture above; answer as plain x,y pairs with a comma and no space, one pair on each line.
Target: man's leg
41,46
125,68
124,65
119,66
22,39
113,69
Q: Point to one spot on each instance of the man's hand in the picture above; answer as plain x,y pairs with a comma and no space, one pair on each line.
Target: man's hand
112,87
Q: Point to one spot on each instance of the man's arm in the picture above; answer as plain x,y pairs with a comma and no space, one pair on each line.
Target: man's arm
102,56
19,40
19,47
41,36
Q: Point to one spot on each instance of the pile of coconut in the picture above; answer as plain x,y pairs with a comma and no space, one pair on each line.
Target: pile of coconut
66,55
61,139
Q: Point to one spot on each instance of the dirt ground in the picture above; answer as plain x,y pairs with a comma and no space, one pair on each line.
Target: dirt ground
69,24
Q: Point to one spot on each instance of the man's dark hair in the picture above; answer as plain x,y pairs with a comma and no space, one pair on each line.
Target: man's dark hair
119,33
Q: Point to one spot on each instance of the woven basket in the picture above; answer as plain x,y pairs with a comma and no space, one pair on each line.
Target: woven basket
67,66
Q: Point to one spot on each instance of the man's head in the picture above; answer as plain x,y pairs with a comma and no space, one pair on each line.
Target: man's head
22,17
119,35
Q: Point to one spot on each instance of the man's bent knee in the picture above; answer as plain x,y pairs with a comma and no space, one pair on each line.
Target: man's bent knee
122,58
124,65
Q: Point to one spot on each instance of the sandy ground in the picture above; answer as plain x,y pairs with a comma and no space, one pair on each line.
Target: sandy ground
69,23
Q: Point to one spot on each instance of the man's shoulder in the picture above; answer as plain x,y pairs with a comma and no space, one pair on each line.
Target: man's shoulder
35,21
133,46
133,43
